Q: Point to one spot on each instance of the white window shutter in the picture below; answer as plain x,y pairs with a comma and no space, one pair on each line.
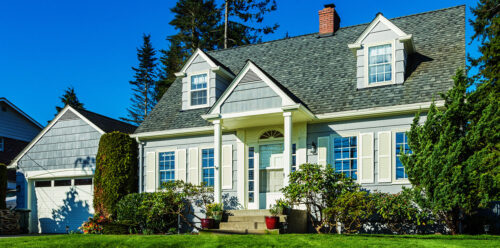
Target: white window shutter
227,166
366,157
384,157
180,165
151,172
323,150
194,168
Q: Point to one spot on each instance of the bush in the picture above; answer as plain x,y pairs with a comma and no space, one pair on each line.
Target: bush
153,212
399,212
317,188
118,228
116,171
352,209
3,186
94,225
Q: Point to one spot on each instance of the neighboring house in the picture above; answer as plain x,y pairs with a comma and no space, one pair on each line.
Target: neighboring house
17,129
242,119
58,166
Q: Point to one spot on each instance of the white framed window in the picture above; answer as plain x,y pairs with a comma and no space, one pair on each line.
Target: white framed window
251,174
401,147
2,144
294,157
166,166
345,155
198,86
207,166
380,64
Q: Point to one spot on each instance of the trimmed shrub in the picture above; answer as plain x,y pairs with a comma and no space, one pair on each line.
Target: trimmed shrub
150,212
352,209
3,186
116,172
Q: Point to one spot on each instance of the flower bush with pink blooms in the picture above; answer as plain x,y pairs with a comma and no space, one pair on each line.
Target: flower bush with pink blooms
94,225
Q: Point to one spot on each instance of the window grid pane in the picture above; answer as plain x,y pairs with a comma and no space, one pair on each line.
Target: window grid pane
294,157
401,147
346,155
251,174
207,165
167,166
379,63
199,89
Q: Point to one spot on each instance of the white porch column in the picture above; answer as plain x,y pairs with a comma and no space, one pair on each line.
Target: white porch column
287,151
217,161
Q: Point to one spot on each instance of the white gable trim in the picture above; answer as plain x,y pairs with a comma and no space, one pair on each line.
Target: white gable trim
47,128
197,53
385,21
286,100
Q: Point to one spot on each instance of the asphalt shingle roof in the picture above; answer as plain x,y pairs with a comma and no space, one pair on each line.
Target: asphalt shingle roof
321,72
107,124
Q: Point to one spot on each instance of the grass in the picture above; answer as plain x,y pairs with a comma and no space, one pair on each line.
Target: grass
288,240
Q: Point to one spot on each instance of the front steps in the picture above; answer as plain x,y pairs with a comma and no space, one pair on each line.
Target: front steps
245,222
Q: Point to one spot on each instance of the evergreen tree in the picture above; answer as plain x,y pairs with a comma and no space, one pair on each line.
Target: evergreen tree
171,62
197,23
237,16
143,99
69,98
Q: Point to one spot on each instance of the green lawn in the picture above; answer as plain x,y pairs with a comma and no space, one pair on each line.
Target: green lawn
290,240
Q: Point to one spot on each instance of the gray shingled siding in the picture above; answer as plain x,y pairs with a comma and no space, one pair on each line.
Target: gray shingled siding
15,126
353,128
70,144
198,142
251,93
322,72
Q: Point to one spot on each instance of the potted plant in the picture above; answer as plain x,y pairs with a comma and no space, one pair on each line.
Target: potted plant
208,221
217,210
272,222
285,206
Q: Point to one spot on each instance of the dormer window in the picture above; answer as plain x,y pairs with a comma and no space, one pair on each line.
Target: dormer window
199,90
379,64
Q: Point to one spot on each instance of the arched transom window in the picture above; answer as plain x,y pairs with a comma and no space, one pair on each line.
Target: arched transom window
271,134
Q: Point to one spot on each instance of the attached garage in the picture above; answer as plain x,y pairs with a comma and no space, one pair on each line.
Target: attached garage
62,205
58,167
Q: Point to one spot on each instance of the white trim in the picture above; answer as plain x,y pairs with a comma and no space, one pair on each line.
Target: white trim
286,100
59,173
367,31
207,89
174,132
366,64
157,163
200,162
377,111
229,166
197,53
47,128
343,134
3,99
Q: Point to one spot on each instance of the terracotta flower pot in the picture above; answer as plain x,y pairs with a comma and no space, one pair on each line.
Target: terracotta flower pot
272,222
207,223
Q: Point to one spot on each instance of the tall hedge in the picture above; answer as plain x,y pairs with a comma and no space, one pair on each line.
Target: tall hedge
3,185
116,171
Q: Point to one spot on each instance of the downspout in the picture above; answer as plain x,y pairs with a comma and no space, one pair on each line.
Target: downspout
141,153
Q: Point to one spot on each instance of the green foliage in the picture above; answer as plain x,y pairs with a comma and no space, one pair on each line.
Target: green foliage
156,212
69,98
399,212
3,186
276,209
116,171
352,209
317,188
143,99
454,167
214,210
171,61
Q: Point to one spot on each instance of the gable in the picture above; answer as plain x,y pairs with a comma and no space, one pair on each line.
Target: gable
69,143
380,33
252,93
198,64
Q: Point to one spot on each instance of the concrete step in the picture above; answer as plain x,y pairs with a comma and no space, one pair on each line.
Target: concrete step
242,226
255,212
228,232
250,218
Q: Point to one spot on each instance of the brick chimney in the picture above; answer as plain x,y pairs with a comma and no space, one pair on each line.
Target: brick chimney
329,20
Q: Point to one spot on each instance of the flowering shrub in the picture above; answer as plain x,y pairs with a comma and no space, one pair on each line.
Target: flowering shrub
94,225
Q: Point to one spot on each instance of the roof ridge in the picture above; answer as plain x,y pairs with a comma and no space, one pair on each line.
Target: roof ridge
107,117
352,26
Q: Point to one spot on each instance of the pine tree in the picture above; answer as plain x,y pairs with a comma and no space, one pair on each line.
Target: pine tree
69,98
143,99
237,16
197,23
171,62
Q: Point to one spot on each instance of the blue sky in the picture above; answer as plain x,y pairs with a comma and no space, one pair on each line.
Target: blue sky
91,45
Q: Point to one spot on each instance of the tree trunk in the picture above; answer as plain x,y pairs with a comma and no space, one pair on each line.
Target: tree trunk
225,24
452,221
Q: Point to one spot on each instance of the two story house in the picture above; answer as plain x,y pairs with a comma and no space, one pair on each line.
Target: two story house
242,119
